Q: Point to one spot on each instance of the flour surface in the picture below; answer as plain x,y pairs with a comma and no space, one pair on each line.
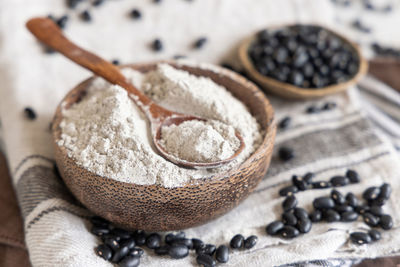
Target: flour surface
108,134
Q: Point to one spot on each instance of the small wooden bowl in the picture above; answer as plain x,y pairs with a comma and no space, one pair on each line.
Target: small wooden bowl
156,208
290,91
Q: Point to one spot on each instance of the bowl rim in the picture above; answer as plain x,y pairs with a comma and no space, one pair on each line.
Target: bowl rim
276,86
268,133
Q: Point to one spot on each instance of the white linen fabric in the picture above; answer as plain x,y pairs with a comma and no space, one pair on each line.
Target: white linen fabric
56,226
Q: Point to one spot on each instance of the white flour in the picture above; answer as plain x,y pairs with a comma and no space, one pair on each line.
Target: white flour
200,141
108,134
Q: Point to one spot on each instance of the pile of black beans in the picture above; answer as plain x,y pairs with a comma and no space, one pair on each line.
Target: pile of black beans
305,56
334,208
125,248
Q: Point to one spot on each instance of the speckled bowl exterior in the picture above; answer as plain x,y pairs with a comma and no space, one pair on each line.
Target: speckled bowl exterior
156,208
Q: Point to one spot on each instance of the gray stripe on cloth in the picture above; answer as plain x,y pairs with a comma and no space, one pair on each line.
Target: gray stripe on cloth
24,160
327,143
37,184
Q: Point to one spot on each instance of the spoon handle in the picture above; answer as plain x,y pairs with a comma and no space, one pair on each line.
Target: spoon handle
46,31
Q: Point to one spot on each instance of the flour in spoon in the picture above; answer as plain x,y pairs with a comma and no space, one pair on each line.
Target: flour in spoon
107,133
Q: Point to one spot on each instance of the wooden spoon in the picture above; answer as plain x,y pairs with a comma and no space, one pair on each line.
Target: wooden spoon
45,30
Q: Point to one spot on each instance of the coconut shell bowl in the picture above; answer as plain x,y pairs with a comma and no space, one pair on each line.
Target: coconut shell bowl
156,208
290,91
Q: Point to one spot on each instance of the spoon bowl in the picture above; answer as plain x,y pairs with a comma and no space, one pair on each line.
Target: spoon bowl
157,208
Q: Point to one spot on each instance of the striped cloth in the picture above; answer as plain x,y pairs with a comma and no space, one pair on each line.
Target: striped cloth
362,133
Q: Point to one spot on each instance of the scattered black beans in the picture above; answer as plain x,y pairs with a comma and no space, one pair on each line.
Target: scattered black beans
289,218
100,230
112,242
285,122
361,209
386,222
337,197
329,106
339,181
352,200
289,203
304,225
385,51
208,249
321,185
288,190
178,251
62,22
86,16
157,45
323,203
197,243
30,113
353,176
386,190
308,177
119,254
200,42
370,219
205,260
299,182
360,238
274,227
289,232
136,14
237,241
171,237
73,3
115,62
343,208
130,243
153,241
136,252
300,213
130,261
250,242
98,2
371,193
157,1
331,216
312,109
316,216
104,251
140,237
222,254
349,216
376,210
121,233
183,241
374,234
357,24
286,153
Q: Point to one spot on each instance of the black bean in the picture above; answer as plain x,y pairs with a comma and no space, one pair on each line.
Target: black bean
123,234
331,216
339,181
323,203
157,45
135,14
115,62
353,176
100,230
85,16
376,210
289,232
299,182
285,122
119,254
140,237
374,234
321,185
183,241
110,236
62,22
329,106
222,254
370,219
205,260
169,238
72,3
304,225
349,216
386,222
316,216
289,203
300,213
136,252
337,197
178,251
104,251
361,209
288,190
377,202
157,1
250,242
30,113
360,238
130,243
361,27
197,243
237,241
130,261
352,200
286,153
208,249
274,227
308,177
98,2
371,193
312,109
112,242
343,208
200,42
153,241
289,218
386,190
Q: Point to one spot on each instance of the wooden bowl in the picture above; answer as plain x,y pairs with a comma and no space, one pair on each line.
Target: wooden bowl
290,91
156,208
